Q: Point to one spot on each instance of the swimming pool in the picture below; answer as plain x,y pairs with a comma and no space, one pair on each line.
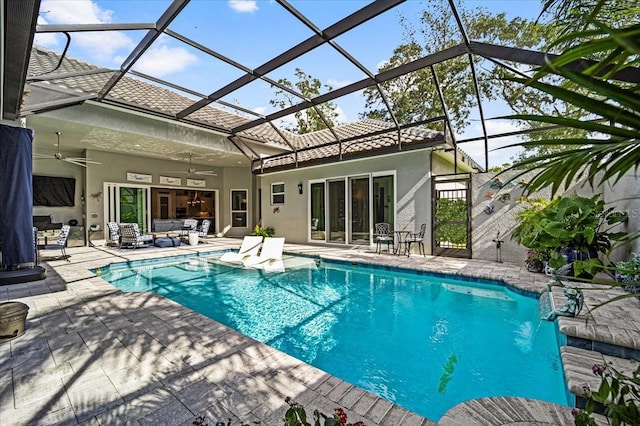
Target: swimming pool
425,342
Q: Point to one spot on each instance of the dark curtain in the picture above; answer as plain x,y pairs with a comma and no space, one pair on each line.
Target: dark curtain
16,224
53,191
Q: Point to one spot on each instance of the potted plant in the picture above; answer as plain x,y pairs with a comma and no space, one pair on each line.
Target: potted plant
573,229
536,259
628,272
264,231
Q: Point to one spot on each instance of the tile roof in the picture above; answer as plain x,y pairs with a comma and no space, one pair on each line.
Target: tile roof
365,137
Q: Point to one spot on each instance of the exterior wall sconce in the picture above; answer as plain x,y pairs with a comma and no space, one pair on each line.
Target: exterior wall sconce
300,188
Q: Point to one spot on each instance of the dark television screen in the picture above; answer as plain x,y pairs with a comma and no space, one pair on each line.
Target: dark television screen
53,191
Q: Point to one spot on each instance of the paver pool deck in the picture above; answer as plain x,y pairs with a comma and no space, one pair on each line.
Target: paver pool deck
95,355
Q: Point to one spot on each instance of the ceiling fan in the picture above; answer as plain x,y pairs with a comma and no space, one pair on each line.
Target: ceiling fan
78,161
192,171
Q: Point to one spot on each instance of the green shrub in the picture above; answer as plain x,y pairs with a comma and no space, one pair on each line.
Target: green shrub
264,231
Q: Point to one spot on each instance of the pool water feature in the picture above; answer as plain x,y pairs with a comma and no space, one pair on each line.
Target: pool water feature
425,342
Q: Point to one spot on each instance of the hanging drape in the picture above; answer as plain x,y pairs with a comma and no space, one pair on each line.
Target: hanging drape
16,196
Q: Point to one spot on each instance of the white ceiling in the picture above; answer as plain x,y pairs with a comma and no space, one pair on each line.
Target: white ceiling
77,137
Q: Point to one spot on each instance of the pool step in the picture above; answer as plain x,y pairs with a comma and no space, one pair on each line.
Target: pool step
497,411
578,372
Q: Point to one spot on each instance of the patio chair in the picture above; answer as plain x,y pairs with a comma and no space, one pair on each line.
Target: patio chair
203,231
187,226
270,257
250,247
146,238
114,234
383,235
61,243
417,238
130,237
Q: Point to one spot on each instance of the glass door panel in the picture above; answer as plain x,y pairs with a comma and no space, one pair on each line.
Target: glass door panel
317,223
337,211
383,200
239,210
133,206
359,232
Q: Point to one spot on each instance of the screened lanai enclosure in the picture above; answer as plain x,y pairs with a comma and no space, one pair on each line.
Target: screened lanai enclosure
239,74
211,86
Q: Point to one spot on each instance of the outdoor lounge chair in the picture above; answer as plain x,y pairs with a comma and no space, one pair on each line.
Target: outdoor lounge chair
203,230
270,257
188,226
130,237
114,234
61,243
145,238
250,247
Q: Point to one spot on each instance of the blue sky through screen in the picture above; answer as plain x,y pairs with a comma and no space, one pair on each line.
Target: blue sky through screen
251,33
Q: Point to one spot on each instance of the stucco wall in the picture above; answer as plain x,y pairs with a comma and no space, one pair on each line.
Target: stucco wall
624,196
412,194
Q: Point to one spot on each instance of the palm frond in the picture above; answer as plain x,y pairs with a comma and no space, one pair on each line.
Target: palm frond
596,93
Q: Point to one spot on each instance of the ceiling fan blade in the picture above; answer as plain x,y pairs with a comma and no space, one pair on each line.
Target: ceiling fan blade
82,160
206,173
72,161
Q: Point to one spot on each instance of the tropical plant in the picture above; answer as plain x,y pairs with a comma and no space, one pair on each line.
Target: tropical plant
572,229
606,91
264,231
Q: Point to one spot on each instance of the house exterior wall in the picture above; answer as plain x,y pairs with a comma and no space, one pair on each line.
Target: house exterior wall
412,192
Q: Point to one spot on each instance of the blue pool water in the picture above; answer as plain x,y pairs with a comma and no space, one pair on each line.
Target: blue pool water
422,341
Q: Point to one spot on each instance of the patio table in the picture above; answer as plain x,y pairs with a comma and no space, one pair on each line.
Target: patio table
400,237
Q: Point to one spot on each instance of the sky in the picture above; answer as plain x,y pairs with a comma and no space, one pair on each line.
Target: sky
251,32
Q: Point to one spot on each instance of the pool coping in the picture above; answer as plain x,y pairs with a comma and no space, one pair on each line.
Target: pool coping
73,283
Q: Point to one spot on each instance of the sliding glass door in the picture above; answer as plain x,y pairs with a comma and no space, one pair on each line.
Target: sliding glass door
383,200
344,210
134,203
337,211
359,212
128,204
317,212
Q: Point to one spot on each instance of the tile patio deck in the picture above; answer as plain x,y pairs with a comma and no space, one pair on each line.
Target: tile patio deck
95,355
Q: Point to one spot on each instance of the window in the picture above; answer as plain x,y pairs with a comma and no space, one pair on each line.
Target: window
277,193
239,208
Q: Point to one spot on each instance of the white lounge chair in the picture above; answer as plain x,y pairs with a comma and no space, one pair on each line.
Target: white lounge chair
270,257
250,247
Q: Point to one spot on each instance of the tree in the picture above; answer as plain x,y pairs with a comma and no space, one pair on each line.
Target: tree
309,120
414,96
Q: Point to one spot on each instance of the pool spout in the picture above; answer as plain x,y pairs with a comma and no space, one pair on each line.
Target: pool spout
545,305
